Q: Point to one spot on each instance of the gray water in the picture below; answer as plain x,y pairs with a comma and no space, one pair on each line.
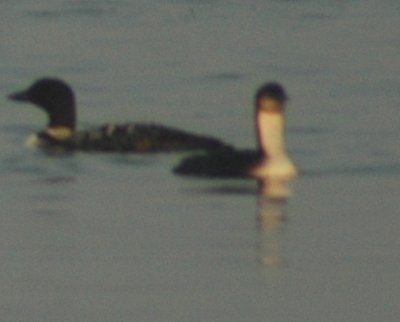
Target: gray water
92,237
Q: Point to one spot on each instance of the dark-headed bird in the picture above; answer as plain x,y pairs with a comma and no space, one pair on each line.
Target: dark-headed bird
57,99
270,160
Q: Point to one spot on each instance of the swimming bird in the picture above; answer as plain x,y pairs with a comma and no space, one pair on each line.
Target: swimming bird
270,160
57,99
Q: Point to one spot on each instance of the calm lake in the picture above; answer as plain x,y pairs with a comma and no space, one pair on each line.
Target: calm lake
109,237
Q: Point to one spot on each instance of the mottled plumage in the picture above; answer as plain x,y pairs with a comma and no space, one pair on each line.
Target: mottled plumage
57,99
131,137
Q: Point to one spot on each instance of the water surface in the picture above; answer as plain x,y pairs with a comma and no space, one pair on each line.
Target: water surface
119,238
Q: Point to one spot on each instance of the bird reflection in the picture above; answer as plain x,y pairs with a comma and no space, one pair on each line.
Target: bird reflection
271,219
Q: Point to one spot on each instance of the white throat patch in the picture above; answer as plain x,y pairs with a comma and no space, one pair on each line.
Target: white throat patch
59,132
276,162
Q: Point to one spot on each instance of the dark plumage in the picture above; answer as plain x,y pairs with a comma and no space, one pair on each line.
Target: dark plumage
234,163
268,160
57,99
271,90
133,137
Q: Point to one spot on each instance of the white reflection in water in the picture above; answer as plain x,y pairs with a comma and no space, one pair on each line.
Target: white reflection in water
271,219
275,188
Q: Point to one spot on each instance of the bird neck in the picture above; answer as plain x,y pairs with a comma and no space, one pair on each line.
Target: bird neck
270,134
62,116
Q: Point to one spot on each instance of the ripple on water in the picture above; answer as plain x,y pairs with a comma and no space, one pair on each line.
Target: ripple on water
358,170
75,10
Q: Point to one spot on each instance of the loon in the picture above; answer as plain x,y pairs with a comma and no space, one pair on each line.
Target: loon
57,99
270,160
